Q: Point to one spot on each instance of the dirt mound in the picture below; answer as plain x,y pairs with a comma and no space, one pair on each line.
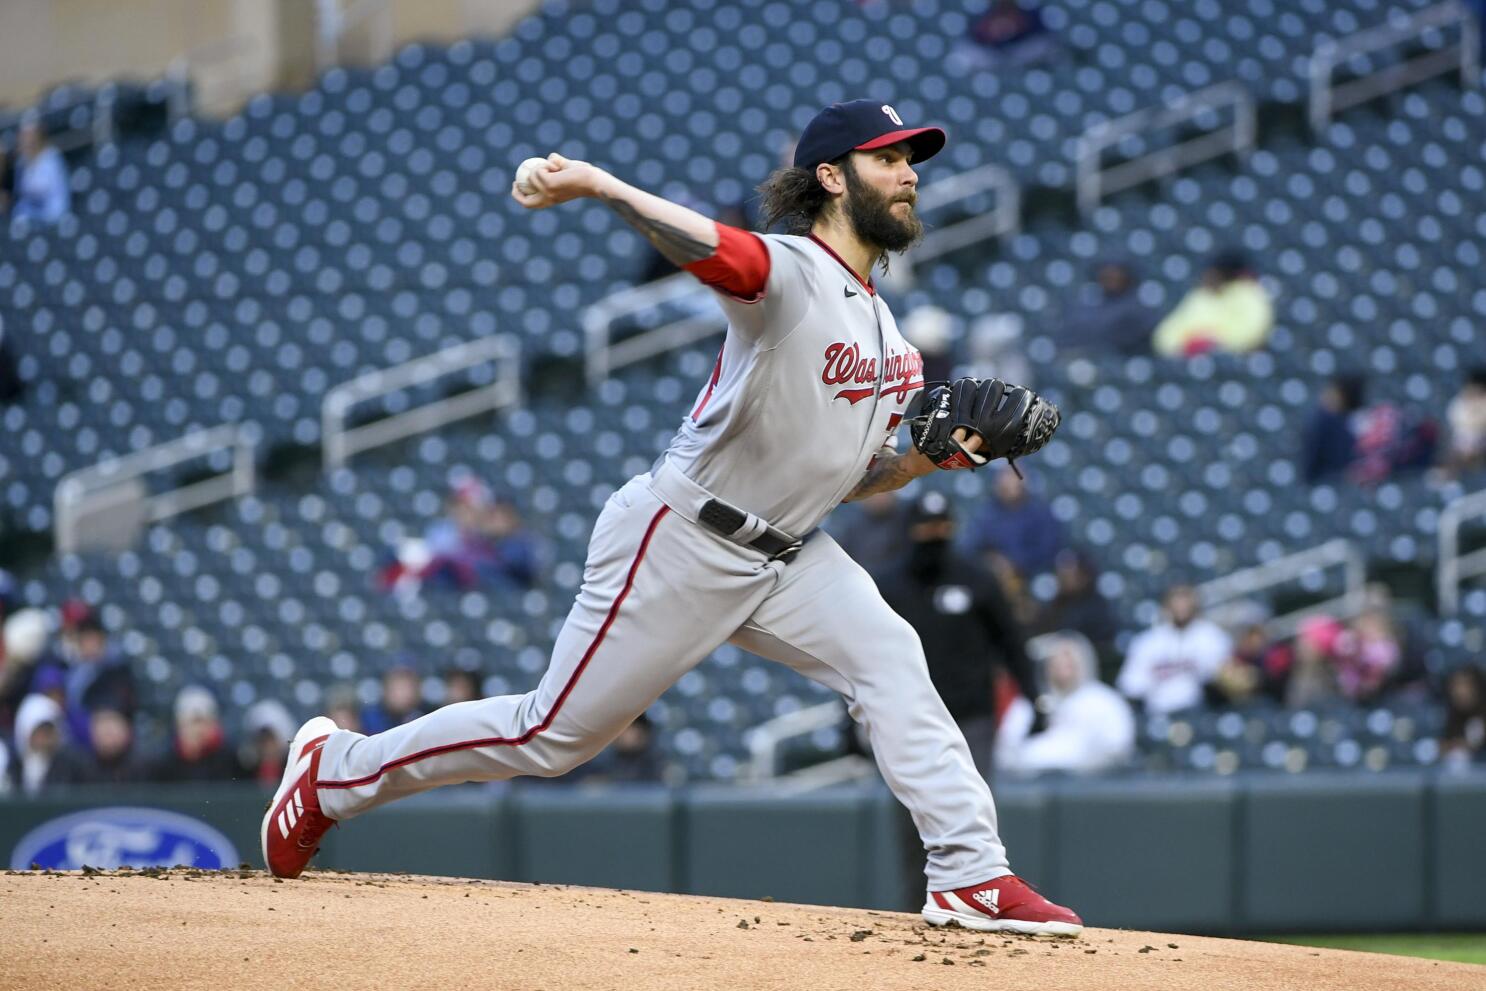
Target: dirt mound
243,930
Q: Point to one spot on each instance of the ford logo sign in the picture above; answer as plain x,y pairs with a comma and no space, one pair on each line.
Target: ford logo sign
116,836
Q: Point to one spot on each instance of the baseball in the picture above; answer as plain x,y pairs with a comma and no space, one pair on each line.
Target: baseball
524,172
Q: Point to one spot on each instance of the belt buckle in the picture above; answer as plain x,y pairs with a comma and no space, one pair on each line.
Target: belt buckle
788,554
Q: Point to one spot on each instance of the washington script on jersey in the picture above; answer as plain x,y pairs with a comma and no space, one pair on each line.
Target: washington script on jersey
844,363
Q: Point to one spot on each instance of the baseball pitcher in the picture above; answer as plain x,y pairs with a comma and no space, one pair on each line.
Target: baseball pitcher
719,541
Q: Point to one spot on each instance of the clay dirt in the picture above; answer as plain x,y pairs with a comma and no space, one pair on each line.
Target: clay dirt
244,931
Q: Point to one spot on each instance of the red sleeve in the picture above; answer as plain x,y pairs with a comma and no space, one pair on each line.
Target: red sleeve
739,266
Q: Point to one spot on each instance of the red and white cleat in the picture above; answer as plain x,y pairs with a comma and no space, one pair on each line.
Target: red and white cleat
293,824
1007,904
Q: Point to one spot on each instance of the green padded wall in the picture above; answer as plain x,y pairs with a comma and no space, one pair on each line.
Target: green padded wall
1458,851
610,837
1330,853
457,832
1144,855
735,843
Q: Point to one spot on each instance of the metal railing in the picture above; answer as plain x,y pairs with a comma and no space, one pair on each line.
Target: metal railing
1327,98
80,491
1453,567
187,70
1096,182
1002,220
342,442
334,22
1290,568
603,355
765,739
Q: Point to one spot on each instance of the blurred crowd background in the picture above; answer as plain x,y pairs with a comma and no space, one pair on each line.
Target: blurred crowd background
1255,356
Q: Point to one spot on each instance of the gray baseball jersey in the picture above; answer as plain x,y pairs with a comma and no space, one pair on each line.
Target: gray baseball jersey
810,385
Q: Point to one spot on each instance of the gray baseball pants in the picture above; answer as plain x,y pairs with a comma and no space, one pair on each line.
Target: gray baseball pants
659,594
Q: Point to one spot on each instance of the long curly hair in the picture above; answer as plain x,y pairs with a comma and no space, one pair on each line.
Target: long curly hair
792,197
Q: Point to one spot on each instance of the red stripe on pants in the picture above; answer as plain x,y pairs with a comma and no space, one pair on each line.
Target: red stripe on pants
541,727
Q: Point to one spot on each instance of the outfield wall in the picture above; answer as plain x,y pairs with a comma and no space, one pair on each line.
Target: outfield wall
1334,853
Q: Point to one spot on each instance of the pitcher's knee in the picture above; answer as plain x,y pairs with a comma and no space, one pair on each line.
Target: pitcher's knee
554,758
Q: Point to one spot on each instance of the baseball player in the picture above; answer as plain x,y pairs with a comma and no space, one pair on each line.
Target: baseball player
719,541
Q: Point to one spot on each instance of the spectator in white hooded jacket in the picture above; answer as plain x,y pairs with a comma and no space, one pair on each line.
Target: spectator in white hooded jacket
1090,727
1168,664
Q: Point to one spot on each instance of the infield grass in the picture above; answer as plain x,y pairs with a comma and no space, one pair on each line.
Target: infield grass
1459,947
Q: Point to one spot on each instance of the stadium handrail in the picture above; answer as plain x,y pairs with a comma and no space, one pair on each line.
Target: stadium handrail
1094,181
765,739
1327,98
603,355
1291,567
85,488
1453,567
1004,219
341,442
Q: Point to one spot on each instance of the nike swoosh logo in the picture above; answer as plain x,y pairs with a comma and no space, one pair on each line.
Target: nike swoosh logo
849,293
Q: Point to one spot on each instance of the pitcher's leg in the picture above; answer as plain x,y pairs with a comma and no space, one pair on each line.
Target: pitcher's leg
651,606
826,620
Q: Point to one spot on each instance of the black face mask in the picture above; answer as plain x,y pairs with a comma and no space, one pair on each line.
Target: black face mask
926,558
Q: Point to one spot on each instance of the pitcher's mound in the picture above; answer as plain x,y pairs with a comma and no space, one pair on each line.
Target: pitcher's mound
241,930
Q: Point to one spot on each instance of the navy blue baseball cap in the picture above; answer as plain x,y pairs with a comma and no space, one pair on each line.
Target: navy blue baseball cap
861,125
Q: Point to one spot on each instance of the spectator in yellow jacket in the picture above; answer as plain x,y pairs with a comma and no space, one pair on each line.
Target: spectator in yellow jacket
1228,311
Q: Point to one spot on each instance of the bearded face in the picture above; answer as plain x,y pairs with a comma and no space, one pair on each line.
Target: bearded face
875,217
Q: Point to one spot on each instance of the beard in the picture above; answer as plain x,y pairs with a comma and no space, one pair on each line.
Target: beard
872,218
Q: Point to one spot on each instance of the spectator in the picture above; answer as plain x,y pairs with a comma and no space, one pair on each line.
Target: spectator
1311,675
94,673
480,542
24,642
341,706
461,685
1090,727
1017,525
630,759
964,621
40,730
267,729
1372,652
1169,664
1011,35
1464,738
1248,673
1109,317
1228,311
11,385
994,349
1330,443
41,188
111,759
931,330
199,750
1389,441
1466,417
401,702
875,533
1077,604
7,782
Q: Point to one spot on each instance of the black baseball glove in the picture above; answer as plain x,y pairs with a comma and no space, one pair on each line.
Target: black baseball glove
1011,422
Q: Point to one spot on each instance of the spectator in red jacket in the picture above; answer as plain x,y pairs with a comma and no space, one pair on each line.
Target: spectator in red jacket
1464,739
199,750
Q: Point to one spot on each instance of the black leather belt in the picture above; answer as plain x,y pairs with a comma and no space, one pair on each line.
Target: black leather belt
726,521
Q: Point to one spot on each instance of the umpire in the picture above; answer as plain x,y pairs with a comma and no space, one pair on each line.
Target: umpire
964,621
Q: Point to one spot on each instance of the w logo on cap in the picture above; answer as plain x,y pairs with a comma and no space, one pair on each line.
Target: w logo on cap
892,115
